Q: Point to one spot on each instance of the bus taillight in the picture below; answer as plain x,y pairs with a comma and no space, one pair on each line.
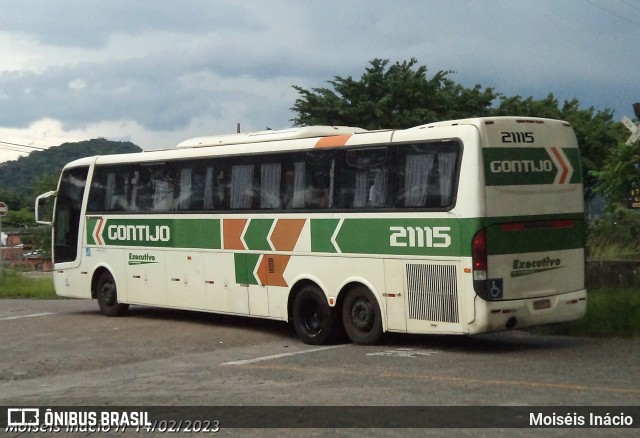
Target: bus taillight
479,262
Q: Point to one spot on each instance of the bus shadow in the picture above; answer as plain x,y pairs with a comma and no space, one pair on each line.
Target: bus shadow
218,320
503,342
215,319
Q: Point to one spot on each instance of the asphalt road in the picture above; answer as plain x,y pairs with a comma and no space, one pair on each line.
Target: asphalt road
63,352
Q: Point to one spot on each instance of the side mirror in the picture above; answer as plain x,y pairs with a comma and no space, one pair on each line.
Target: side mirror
44,208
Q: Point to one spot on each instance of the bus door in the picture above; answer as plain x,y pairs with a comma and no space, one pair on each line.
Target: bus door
395,287
67,229
223,292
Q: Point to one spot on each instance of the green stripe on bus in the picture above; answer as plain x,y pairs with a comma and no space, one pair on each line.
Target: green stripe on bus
245,264
395,236
155,233
197,233
321,232
256,234
573,154
448,237
420,237
537,239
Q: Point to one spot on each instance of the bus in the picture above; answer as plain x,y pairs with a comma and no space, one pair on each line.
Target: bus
457,227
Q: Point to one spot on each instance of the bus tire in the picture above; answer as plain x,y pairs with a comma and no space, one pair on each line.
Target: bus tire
107,295
313,319
361,316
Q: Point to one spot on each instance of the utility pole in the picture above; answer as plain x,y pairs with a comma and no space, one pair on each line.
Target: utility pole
3,210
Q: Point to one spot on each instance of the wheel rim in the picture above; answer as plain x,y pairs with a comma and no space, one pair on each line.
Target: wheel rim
311,318
362,315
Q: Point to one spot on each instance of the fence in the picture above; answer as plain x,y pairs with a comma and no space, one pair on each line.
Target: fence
616,274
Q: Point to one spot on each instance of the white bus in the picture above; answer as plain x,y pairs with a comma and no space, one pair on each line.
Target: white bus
458,227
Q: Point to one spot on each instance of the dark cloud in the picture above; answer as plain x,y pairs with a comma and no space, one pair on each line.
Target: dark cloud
218,59
90,23
90,93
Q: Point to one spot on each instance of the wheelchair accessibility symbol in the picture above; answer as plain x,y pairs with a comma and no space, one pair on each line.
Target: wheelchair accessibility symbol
495,288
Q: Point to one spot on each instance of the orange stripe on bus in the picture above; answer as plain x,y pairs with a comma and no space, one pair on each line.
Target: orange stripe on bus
286,233
232,229
333,141
271,270
565,168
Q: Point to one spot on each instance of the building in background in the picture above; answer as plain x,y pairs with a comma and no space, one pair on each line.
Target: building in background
16,254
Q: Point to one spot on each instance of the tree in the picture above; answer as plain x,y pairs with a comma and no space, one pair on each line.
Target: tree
390,96
401,95
619,174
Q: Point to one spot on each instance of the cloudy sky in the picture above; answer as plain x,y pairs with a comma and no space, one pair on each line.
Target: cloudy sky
156,72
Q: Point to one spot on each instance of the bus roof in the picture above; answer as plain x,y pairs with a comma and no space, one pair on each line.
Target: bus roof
270,135
479,121
301,138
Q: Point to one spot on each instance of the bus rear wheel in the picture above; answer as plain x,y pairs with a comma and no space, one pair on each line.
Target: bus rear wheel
361,316
107,295
313,319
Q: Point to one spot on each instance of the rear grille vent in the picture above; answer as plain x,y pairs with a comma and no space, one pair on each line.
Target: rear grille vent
432,292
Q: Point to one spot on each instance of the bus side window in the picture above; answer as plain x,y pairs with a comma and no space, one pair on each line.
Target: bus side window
192,180
270,187
187,197
116,190
153,188
241,190
200,186
427,176
447,168
108,190
163,186
416,175
293,186
364,178
309,181
319,190
98,191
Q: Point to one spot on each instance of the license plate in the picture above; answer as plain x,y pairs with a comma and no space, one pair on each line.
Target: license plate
542,304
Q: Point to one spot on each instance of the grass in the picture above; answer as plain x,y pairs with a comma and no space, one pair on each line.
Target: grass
14,284
610,313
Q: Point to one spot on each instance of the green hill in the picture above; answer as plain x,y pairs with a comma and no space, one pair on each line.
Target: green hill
18,177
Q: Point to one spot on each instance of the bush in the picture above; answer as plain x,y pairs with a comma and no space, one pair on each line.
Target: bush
615,236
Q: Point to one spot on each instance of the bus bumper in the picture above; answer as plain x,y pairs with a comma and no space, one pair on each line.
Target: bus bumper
494,316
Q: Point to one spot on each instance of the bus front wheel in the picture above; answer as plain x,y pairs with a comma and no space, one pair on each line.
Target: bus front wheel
107,295
361,316
313,319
